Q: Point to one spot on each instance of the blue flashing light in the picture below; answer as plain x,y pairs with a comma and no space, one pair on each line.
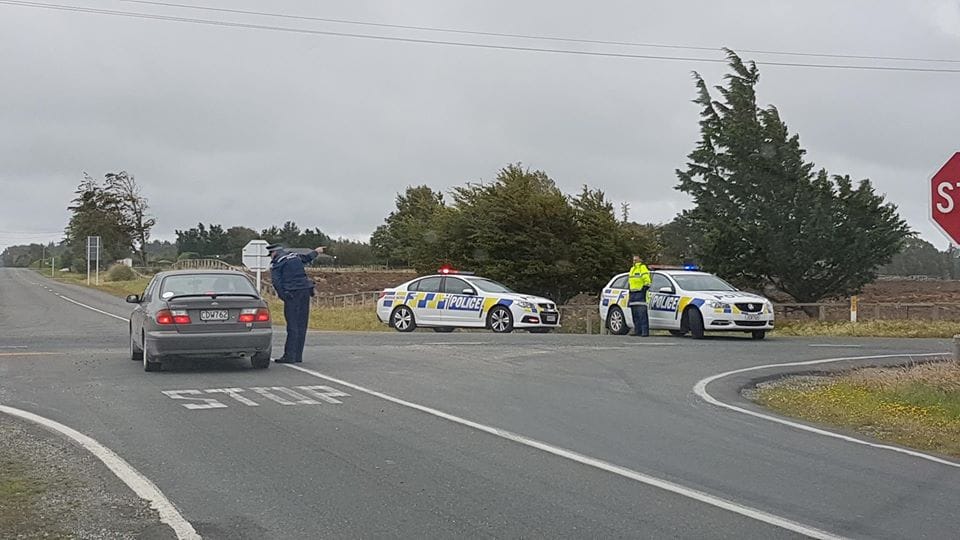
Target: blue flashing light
691,267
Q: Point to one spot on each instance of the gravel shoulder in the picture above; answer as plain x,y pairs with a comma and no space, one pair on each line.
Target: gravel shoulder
51,488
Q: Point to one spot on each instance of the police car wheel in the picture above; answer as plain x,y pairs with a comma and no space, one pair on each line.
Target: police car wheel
500,320
402,319
616,322
695,323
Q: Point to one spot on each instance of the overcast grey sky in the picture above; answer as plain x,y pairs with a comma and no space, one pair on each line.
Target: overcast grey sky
242,126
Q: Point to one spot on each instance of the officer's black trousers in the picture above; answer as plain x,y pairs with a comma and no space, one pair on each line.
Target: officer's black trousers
296,309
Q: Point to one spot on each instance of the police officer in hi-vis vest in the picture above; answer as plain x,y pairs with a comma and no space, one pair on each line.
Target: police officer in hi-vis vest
639,287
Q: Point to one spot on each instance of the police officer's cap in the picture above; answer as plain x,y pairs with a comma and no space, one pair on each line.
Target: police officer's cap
274,247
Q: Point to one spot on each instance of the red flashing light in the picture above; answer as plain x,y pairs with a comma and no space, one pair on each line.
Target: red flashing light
447,270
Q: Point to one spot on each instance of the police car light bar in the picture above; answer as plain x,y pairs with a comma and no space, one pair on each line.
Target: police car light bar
684,267
450,270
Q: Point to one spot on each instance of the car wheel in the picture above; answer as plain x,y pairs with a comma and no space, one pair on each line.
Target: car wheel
149,362
260,360
616,322
500,320
540,330
443,329
135,352
678,333
758,334
695,323
402,319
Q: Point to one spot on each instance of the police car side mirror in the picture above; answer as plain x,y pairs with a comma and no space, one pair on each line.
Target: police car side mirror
469,291
666,290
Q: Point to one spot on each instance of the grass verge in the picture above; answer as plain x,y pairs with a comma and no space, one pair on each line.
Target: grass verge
916,406
116,288
891,328
341,319
20,493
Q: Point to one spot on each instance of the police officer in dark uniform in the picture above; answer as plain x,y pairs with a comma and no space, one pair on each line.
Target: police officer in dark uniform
295,289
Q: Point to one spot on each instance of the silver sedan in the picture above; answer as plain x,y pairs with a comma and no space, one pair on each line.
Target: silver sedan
200,313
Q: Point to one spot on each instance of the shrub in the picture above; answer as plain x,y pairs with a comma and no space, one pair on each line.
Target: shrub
121,272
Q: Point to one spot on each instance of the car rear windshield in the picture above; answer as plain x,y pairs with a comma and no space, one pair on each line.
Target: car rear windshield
702,282
206,284
490,286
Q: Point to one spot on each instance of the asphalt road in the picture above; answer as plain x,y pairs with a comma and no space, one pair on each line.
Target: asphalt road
289,454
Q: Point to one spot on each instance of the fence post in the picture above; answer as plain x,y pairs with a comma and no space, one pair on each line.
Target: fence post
589,325
956,348
935,312
822,312
876,311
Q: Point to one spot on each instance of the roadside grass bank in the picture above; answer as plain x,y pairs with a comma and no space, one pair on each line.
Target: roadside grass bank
116,288
52,489
916,405
884,328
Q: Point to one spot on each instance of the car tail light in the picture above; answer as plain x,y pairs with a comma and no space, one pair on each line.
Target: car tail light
254,315
179,316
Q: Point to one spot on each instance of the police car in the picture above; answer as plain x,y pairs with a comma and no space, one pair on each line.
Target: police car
453,299
688,301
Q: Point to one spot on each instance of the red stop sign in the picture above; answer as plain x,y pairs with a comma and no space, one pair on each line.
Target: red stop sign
945,198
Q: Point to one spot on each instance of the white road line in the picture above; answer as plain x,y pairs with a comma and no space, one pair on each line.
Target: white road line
701,390
124,319
13,347
834,345
139,483
678,489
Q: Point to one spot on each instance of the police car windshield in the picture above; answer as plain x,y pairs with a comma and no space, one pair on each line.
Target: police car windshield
702,282
490,286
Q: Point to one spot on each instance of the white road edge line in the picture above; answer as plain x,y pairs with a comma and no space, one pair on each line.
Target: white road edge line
124,319
139,483
666,485
701,390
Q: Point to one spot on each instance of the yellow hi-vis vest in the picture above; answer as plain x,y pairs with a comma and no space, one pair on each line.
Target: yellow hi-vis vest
639,277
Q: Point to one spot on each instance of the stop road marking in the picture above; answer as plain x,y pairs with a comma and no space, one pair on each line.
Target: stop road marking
298,395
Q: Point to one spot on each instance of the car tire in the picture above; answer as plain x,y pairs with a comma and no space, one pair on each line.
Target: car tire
135,352
617,322
402,319
758,334
540,330
443,329
500,320
678,333
260,360
695,323
150,363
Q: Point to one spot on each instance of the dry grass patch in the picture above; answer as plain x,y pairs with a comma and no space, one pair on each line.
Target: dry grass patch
916,405
891,328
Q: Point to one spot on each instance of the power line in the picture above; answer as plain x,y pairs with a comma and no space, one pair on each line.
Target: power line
536,37
250,26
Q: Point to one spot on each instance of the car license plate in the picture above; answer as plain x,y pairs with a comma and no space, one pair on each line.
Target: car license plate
753,316
214,315
550,319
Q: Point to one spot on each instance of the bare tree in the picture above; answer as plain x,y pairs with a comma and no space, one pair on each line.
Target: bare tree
134,207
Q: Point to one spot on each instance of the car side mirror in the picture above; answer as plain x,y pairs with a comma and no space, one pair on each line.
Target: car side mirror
469,291
133,299
666,290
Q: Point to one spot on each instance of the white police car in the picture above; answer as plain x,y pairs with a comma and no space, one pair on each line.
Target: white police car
456,300
688,301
